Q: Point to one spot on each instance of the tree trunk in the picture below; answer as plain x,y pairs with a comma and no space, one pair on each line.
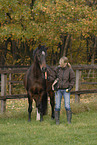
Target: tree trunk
66,44
71,49
94,50
32,4
3,53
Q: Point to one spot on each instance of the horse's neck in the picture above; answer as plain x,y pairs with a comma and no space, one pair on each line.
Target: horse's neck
36,69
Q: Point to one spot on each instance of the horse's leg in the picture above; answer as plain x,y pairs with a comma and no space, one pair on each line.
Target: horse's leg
52,102
41,113
44,103
30,107
37,115
39,108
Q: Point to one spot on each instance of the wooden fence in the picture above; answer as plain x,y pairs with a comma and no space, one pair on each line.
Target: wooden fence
7,71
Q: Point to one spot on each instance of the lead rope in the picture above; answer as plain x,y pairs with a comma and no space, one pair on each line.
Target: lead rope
45,75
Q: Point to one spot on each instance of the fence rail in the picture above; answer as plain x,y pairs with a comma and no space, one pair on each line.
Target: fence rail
8,70
20,96
17,96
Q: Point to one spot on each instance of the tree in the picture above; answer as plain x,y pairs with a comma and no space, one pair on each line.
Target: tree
50,22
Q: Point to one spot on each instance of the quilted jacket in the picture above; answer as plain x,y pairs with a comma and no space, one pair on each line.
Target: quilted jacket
66,77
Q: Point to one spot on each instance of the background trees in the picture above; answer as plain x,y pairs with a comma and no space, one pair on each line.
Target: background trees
67,27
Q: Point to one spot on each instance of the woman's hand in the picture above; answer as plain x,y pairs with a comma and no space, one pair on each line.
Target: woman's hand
52,87
68,90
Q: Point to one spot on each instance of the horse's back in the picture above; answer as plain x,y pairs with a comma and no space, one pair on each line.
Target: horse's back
51,73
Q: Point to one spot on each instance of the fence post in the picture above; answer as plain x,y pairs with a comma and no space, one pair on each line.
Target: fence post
3,92
77,97
10,84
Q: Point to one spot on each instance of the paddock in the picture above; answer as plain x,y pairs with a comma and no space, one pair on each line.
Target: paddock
86,82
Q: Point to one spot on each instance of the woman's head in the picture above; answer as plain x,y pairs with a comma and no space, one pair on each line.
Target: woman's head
63,61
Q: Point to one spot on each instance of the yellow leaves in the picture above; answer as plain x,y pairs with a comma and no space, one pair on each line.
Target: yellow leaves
50,19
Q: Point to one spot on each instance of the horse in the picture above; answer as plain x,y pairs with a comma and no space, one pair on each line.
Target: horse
38,84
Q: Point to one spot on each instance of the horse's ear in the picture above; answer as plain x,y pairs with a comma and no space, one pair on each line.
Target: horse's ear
39,46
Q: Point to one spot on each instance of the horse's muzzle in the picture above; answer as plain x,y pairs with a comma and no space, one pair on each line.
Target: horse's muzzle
44,69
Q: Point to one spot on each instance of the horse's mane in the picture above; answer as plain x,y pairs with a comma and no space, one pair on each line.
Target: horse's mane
34,52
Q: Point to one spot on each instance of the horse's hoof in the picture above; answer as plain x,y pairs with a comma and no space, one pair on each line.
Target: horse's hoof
41,119
53,118
29,120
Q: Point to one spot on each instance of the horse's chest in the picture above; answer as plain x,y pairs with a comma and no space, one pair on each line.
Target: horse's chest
38,87
38,84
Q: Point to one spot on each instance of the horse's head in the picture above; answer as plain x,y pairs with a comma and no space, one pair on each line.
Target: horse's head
39,56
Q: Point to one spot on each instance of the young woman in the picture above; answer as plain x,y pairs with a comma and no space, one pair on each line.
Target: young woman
64,82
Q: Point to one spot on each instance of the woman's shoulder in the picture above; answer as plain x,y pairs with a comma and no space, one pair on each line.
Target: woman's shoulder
57,67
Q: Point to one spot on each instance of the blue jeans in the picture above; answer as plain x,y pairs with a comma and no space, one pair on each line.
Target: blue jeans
58,97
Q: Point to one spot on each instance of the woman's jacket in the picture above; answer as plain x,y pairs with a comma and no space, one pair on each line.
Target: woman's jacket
66,77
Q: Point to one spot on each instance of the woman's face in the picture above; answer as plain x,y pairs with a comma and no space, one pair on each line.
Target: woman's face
65,64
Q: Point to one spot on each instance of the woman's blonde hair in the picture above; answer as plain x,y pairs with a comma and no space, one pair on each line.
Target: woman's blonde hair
64,60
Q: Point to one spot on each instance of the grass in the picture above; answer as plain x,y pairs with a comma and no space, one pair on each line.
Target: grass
16,130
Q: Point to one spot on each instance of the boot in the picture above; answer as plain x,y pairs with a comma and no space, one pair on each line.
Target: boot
69,116
57,116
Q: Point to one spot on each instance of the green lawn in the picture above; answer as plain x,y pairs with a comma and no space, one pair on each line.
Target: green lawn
16,130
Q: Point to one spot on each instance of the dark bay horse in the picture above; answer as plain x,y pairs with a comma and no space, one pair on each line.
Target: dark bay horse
37,85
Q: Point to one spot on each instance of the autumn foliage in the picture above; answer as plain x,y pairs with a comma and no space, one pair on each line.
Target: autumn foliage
66,26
